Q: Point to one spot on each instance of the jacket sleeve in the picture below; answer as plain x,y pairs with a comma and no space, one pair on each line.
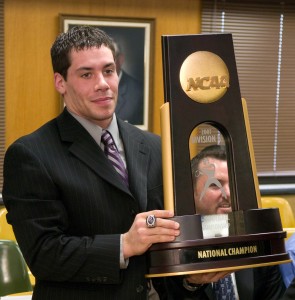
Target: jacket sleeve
44,229
268,283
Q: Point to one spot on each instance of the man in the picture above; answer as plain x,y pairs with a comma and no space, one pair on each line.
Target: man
210,181
290,292
82,229
288,270
130,98
212,196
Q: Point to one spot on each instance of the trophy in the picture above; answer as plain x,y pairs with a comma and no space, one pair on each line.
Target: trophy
203,106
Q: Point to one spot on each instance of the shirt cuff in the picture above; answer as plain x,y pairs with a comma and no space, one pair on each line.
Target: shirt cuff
123,262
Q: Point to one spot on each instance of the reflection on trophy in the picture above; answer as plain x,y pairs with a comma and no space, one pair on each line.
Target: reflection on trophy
210,179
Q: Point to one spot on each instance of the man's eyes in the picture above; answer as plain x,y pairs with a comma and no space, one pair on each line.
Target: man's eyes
213,186
86,75
90,75
109,71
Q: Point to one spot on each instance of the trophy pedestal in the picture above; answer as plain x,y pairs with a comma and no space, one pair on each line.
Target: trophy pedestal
261,244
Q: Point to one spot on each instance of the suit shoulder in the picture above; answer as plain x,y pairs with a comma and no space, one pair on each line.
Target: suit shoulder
139,133
151,136
39,134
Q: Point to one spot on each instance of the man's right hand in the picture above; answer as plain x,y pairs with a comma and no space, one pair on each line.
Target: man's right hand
204,278
140,237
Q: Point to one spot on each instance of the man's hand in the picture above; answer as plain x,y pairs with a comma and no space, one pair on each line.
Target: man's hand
140,237
206,277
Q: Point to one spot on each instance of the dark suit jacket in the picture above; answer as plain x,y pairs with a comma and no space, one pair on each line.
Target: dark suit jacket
68,207
264,283
290,292
130,100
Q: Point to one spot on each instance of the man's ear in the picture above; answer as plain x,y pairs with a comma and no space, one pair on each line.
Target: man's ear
59,83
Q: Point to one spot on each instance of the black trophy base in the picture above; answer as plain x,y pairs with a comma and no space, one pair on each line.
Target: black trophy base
255,242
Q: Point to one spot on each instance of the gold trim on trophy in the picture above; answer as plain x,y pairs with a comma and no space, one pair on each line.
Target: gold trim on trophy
235,269
167,158
251,149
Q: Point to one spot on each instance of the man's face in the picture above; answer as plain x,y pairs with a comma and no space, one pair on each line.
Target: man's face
212,193
91,88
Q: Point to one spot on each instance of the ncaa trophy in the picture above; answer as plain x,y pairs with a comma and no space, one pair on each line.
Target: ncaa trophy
203,105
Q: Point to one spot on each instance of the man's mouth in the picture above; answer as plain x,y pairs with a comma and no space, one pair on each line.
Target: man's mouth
224,205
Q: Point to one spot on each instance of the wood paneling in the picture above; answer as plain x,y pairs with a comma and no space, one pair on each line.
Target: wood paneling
31,27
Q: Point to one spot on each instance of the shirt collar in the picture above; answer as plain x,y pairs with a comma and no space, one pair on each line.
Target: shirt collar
95,131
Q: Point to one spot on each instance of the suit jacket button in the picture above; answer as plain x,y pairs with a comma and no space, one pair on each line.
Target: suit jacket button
139,289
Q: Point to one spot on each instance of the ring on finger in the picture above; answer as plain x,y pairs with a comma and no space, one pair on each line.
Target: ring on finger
151,221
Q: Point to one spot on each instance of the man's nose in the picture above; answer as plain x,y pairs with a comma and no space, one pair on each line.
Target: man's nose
226,190
101,83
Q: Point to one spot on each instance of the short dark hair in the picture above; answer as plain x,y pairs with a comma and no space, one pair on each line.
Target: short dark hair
213,151
77,38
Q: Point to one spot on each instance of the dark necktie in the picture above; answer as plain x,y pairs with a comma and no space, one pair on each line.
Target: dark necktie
224,289
113,155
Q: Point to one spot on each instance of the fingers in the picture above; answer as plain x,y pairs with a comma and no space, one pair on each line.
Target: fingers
161,219
207,277
141,236
157,228
159,214
213,277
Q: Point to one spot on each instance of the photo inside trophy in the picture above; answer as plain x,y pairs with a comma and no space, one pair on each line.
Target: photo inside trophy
210,178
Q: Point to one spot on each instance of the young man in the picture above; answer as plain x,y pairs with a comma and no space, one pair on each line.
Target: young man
82,229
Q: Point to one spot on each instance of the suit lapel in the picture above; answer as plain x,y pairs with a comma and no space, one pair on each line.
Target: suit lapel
137,156
86,149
